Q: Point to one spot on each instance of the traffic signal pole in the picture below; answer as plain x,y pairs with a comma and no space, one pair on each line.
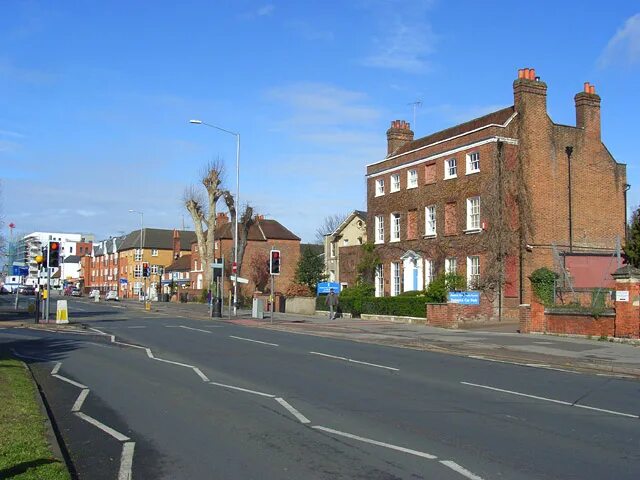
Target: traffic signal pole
46,307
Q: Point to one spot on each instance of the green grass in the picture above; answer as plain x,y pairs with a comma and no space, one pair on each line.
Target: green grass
24,450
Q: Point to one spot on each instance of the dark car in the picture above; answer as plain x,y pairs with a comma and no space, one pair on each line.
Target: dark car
27,290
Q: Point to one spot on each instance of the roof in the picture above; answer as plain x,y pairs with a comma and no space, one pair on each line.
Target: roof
72,259
355,214
180,264
261,231
498,117
157,238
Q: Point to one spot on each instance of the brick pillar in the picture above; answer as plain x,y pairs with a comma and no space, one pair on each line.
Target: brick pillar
524,312
627,321
537,321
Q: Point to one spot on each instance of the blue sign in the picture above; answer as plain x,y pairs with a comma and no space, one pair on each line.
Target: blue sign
123,281
324,287
19,271
464,298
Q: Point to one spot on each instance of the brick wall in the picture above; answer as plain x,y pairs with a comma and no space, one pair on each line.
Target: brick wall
579,324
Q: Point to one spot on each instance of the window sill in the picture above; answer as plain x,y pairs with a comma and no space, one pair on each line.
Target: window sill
430,236
474,171
451,178
395,240
378,243
411,188
472,231
379,195
394,191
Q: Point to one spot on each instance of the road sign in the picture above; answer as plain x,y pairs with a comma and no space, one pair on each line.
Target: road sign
238,279
325,287
19,271
123,281
234,267
464,298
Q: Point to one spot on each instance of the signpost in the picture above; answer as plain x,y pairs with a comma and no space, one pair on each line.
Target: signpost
326,287
464,298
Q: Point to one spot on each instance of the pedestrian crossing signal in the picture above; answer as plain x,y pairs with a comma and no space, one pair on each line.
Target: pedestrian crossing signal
274,262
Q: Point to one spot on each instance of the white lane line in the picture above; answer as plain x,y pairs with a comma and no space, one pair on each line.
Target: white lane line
126,461
80,400
137,326
460,469
68,380
553,400
56,368
375,442
292,410
149,353
196,329
174,363
200,374
532,365
243,389
73,307
254,341
355,361
114,433
113,337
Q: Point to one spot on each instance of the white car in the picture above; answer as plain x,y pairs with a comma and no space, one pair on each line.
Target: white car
112,295
94,293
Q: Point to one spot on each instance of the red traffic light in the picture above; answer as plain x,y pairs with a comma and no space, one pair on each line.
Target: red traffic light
54,246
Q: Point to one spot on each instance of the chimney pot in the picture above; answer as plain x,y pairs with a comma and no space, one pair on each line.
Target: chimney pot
520,73
586,87
532,73
592,89
526,73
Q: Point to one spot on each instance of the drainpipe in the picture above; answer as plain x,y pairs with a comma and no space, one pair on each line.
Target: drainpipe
626,224
569,151
500,253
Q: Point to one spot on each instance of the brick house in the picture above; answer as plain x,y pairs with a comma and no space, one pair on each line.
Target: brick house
342,248
495,198
264,235
175,278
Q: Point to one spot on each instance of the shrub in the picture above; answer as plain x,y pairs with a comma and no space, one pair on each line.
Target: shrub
412,293
543,281
297,290
437,290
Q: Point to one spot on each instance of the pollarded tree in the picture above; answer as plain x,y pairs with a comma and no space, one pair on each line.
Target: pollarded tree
632,245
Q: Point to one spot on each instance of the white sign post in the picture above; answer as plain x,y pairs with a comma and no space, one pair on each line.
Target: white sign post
622,295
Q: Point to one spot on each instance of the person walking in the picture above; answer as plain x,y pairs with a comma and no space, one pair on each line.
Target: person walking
331,301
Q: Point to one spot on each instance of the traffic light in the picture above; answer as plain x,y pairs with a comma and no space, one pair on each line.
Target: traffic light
274,262
45,256
145,269
54,254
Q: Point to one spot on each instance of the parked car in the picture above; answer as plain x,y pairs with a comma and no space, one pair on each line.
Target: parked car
112,295
26,290
94,293
76,292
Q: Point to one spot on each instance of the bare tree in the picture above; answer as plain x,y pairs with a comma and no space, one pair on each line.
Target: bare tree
203,213
245,222
329,225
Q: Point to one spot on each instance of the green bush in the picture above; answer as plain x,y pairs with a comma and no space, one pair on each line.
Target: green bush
441,285
412,293
543,281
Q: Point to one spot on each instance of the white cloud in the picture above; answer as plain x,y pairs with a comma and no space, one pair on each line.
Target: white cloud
624,46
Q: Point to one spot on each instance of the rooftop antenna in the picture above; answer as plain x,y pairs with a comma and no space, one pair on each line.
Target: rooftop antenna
415,105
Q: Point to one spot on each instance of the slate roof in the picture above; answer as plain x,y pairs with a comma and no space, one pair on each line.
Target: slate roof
180,264
72,259
261,231
498,117
161,239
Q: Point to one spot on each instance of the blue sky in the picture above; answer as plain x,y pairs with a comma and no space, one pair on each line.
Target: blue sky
95,97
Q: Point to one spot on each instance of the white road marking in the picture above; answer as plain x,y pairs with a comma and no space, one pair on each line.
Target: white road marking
355,361
114,433
73,307
254,341
56,368
174,363
80,400
200,374
552,400
532,365
461,470
243,389
126,461
137,326
375,442
149,353
68,380
292,410
196,329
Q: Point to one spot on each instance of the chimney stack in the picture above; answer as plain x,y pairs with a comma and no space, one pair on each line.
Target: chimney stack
588,110
529,92
221,218
399,134
176,243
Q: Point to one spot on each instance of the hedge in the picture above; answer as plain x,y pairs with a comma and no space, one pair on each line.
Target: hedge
399,306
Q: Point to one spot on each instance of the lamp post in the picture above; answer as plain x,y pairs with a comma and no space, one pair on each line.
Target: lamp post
141,243
235,239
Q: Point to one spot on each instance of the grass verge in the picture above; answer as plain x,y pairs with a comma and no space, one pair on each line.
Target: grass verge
24,451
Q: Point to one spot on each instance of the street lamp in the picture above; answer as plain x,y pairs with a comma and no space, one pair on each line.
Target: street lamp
141,242
235,240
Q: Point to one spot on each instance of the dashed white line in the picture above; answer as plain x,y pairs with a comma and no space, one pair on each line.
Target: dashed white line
552,400
301,418
191,328
262,394
68,380
137,326
460,469
375,442
56,368
80,400
126,461
355,361
174,363
200,374
96,423
254,341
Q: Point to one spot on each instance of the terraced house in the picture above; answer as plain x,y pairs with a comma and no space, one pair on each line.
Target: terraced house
495,198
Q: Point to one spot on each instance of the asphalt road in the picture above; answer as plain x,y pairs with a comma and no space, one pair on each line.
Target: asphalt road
213,400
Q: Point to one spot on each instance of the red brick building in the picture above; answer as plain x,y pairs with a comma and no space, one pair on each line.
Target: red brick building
263,235
495,198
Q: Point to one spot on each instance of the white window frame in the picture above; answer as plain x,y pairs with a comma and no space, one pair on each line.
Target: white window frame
473,162
450,165
137,255
379,187
473,214
430,225
428,272
345,242
379,292
395,183
137,270
451,265
473,270
395,279
412,179
154,269
395,227
379,229
154,252
332,249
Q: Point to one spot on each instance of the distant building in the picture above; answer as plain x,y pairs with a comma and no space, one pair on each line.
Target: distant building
342,249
